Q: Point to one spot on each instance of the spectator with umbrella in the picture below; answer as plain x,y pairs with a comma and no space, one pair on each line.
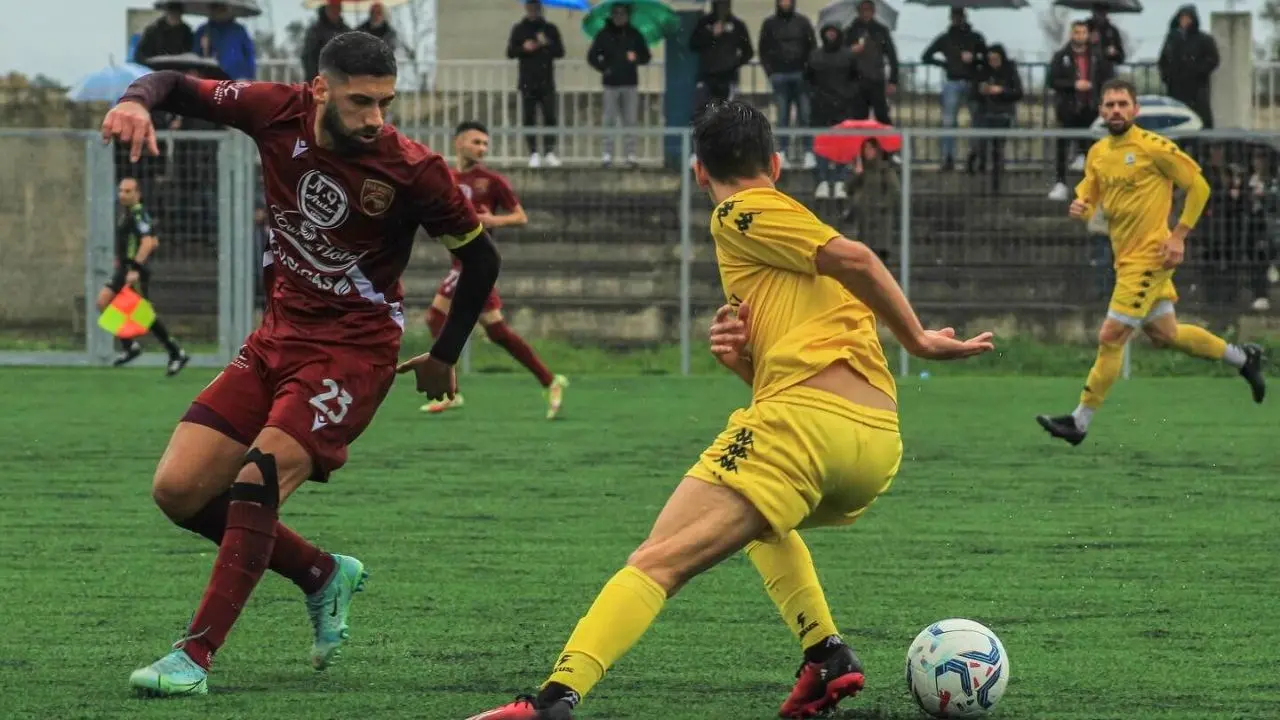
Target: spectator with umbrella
1102,32
535,45
327,25
831,74
378,26
168,35
786,41
1187,62
224,39
723,46
877,59
961,49
616,52
1076,74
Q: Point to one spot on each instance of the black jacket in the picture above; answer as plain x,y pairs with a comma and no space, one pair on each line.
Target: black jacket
1188,59
608,54
786,40
956,40
537,71
719,57
383,32
878,50
1108,37
318,34
1062,78
1006,77
832,75
161,38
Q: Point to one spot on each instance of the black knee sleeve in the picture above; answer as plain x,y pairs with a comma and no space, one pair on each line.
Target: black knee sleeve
268,493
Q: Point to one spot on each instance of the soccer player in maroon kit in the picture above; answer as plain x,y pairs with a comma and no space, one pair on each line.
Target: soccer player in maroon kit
346,194
497,206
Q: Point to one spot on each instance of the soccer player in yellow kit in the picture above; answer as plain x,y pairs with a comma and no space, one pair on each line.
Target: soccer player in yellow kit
1132,173
817,445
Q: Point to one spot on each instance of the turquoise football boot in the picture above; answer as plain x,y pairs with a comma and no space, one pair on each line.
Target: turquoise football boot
329,607
173,675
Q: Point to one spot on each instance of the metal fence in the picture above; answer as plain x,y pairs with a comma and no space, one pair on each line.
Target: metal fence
620,257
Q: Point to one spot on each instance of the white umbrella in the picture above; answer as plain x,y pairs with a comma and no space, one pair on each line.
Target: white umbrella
844,12
353,5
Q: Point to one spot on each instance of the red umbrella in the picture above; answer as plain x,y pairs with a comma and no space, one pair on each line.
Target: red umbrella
843,149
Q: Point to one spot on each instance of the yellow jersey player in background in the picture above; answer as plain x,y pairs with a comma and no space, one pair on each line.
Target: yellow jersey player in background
817,445
1132,173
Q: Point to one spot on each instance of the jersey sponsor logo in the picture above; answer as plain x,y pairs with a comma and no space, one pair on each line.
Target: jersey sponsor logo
228,90
376,197
322,200
466,191
313,257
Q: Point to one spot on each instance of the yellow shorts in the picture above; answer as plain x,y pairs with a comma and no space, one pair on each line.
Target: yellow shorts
805,458
1138,290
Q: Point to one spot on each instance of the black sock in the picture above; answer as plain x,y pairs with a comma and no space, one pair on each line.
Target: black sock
162,334
126,345
825,648
554,693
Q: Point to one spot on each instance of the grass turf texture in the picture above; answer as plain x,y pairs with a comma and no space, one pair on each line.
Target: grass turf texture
1132,577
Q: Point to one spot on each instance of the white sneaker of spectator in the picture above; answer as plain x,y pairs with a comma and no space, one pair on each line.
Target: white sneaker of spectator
823,191
607,159
841,193
552,160
783,161
810,162
1262,304
535,160
1077,165
1059,192
632,160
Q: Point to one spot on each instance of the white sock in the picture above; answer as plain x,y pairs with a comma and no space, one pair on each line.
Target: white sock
1082,415
1234,356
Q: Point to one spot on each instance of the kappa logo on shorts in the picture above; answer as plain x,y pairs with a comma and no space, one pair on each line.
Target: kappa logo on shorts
738,449
376,197
322,200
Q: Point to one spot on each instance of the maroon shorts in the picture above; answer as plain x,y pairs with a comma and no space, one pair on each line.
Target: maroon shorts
322,396
450,283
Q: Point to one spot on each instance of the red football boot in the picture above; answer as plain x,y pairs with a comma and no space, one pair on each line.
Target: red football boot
821,686
525,708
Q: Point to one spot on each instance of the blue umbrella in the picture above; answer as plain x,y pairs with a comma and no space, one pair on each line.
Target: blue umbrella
107,84
582,5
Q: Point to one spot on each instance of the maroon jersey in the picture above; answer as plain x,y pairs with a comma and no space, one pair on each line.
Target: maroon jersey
487,191
341,226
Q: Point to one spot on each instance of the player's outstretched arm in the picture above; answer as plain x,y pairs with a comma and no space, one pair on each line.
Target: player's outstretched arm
861,271
243,105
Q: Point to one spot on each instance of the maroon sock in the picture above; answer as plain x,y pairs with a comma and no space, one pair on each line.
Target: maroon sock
503,335
242,558
435,321
302,563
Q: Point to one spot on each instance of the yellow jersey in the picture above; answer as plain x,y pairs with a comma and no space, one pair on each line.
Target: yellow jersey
801,322
1133,176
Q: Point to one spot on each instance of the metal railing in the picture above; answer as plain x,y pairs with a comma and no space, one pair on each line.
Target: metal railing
621,257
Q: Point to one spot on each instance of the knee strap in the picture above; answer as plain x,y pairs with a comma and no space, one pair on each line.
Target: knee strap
268,493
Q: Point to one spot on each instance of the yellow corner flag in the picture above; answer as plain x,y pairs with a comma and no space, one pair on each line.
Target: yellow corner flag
128,316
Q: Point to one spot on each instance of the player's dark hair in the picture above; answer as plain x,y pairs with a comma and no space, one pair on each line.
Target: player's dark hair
357,54
470,125
1118,85
733,141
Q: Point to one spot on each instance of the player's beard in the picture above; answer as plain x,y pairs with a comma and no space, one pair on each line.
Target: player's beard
345,140
1121,129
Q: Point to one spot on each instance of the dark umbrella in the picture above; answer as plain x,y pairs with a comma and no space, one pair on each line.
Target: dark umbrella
207,67
1111,6
974,4
842,13
238,8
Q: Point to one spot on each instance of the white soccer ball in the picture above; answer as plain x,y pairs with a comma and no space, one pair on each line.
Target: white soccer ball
957,669
1161,114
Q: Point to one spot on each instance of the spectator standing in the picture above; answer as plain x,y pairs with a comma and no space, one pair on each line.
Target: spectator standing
327,25
617,50
1264,201
786,42
1105,35
875,198
962,50
831,75
168,35
723,46
998,92
227,41
1228,214
378,26
1076,74
535,45
1187,61
877,57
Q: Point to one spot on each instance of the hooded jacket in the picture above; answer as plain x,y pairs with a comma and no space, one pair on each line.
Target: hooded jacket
318,34
1006,77
878,50
720,56
1188,57
536,71
161,38
832,73
608,54
1108,37
951,44
786,40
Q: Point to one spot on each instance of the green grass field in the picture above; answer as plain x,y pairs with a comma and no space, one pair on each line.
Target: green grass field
1132,577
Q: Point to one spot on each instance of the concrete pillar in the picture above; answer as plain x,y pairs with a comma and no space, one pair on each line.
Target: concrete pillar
1232,85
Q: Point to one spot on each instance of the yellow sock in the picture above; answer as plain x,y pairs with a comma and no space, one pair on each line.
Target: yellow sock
1198,342
792,583
1106,368
622,612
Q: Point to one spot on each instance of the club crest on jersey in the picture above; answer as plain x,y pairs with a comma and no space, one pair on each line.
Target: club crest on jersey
322,200
482,184
376,197
1130,159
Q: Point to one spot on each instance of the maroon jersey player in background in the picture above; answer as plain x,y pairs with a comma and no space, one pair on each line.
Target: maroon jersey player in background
497,206
345,193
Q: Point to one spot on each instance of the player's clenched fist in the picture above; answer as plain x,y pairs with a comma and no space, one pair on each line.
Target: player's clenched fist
130,122
1078,209
728,334
435,378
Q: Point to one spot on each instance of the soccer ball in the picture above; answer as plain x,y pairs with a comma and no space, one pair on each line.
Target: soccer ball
957,669
1161,114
